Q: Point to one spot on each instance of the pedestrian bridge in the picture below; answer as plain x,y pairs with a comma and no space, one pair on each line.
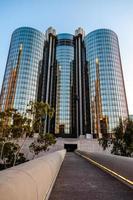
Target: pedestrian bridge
65,176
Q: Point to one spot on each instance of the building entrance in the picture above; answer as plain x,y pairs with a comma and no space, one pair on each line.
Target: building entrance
70,147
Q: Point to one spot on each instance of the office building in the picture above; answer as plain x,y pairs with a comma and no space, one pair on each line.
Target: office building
102,45
79,76
61,83
21,73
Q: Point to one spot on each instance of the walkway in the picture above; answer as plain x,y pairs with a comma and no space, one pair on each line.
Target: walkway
80,180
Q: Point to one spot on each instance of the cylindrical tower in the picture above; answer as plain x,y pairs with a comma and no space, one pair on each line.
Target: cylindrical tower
102,52
20,79
65,57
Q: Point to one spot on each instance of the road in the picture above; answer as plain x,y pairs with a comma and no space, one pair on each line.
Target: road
80,180
120,164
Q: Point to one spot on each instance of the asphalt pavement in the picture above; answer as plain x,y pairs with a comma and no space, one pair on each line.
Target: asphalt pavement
78,179
120,164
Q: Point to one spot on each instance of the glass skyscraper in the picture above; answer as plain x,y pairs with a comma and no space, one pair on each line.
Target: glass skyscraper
20,79
65,57
79,76
102,47
63,83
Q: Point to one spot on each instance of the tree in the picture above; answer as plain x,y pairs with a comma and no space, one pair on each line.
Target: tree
40,112
5,117
42,143
21,128
122,140
104,141
5,129
13,127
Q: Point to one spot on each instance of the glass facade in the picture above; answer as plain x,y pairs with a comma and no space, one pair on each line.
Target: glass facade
64,57
20,79
79,76
103,45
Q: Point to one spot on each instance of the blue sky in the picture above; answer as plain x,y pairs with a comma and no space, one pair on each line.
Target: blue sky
66,16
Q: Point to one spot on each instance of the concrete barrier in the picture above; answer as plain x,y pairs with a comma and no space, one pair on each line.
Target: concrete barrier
119,166
32,180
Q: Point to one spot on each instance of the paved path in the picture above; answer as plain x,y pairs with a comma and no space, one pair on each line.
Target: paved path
80,180
119,164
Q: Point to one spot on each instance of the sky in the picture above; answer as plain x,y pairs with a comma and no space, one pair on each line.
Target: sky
66,16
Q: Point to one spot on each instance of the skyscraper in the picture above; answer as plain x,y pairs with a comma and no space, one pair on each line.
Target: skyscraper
80,76
21,73
61,79
64,57
102,44
48,76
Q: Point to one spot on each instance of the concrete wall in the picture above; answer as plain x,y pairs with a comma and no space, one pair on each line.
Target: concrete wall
90,145
32,180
